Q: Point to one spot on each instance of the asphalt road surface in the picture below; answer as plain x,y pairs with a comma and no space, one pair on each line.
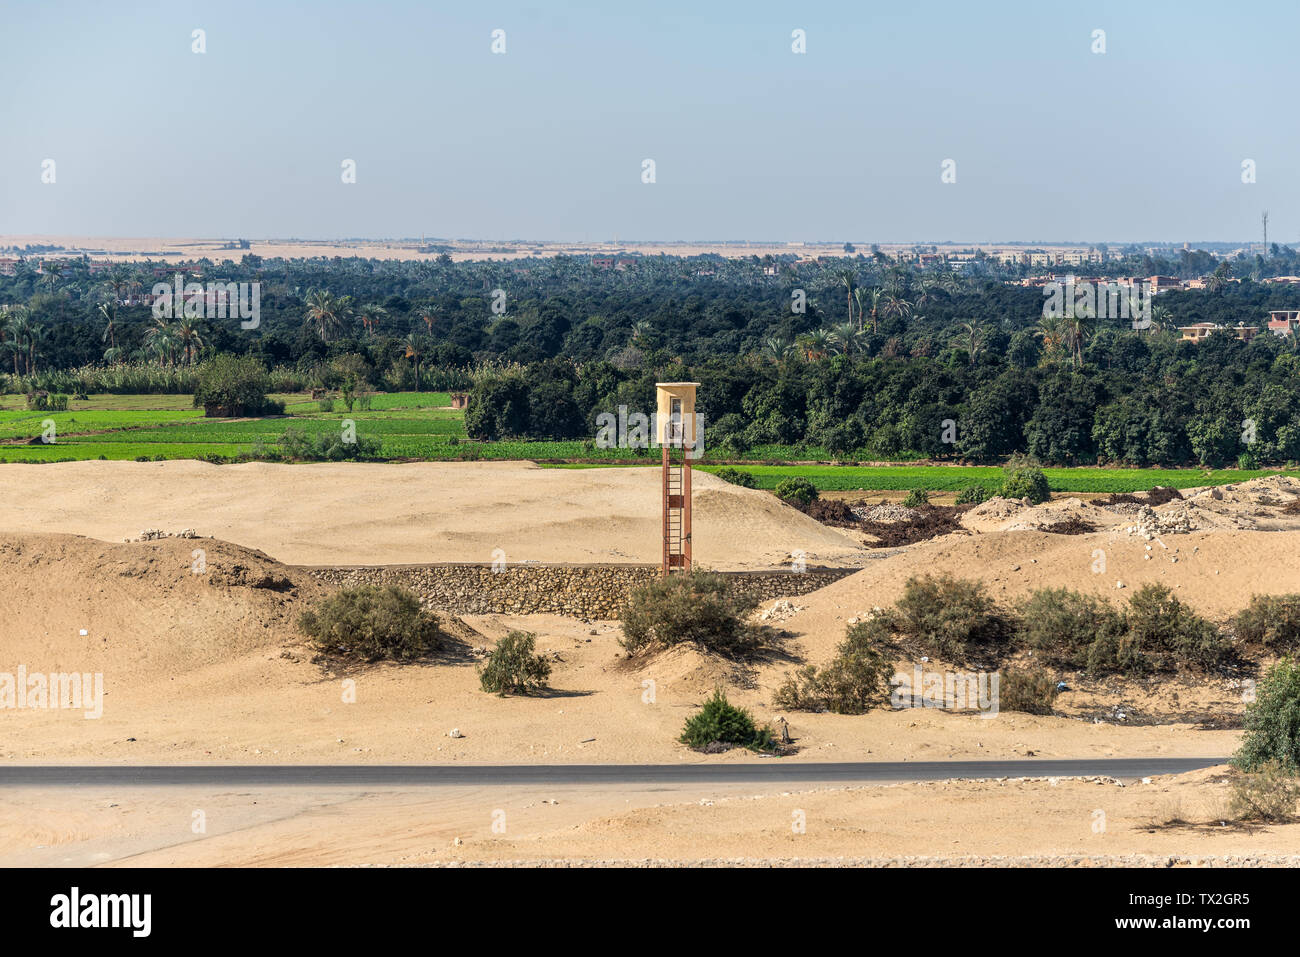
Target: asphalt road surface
770,771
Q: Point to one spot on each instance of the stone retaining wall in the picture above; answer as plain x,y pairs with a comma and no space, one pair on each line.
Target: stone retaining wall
578,591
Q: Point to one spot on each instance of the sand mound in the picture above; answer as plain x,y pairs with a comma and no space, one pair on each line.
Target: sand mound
348,513
150,610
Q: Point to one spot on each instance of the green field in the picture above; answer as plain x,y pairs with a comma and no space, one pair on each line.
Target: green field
420,426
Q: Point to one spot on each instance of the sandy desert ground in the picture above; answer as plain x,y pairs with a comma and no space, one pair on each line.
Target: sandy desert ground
211,668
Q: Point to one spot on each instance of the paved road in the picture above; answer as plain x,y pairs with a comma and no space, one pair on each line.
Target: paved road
772,771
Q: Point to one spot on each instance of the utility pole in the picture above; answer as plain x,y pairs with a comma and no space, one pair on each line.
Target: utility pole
1265,218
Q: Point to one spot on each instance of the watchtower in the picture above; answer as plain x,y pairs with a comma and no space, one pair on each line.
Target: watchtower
675,428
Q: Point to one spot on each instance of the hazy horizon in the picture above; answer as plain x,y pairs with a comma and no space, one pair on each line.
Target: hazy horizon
749,138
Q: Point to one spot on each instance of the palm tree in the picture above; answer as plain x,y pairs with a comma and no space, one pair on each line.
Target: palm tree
416,348
849,280
160,340
847,338
895,307
972,337
1051,329
815,344
51,273
189,339
109,315
325,312
370,316
775,348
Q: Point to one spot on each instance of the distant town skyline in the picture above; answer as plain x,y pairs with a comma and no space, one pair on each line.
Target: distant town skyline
821,122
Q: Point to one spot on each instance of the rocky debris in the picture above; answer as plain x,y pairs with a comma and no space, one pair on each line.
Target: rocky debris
781,610
884,512
875,612
1173,520
1033,860
154,534
455,733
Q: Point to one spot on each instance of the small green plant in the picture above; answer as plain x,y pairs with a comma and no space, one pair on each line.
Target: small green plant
719,725
1170,633
737,477
699,607
1023,480
916,498
1031,691
1272,721
1063,627
797,491
325,405
972,495
512,667
372,623
1268,795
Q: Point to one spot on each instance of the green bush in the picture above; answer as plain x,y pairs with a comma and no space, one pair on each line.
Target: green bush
737,477
297,445
916,498
231,385
721,723
513,668
972,495
697,607
372,623
1272,721
1025,481
949,617
1168,633
1063,627
1269,795
37,402
1271,622
852,683
797,491
1031,690
325,405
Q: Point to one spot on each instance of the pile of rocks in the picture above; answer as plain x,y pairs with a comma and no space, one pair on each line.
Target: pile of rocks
884,512
154,534
1175,521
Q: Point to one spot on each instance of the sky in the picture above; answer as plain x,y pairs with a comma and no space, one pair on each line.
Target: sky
1050,141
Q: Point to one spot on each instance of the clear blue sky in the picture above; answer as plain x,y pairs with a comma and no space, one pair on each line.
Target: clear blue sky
751,141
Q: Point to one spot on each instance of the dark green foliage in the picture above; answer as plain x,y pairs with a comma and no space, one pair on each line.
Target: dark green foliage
854,681
512,667
949,617
1025,481
698,607
372,623
1169,634
798,492
1272,721
297,445
721,723
973,495
1031,691
916,498
230,385
1271,622
737,477
1063,626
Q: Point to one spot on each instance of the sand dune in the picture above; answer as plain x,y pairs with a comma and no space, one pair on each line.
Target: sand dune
378,514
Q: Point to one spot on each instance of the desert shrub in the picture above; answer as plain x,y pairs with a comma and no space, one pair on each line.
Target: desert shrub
43,402
949,617
1272,721
512,667
737,477
797,491
720,723
1269,794
1025,481
698,607
972,495
1169,633
325,405
1031,690
1063,626
372,623
916,498
855,680
1271,622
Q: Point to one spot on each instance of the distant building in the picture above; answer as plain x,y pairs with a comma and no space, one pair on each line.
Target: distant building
460,400
1283,321
1203,330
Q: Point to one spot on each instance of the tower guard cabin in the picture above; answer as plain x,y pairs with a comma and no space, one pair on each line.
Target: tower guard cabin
677,435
